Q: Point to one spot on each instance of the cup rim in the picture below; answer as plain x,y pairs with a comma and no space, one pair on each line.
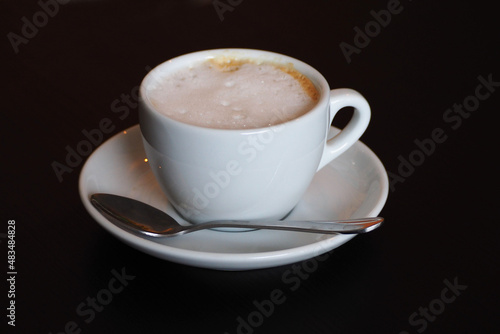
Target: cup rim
314,75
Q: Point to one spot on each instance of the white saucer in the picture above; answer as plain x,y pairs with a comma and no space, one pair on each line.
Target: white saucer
354,185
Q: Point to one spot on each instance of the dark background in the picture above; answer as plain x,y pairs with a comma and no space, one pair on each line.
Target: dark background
441,220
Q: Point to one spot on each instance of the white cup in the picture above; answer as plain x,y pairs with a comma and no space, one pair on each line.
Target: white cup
248,174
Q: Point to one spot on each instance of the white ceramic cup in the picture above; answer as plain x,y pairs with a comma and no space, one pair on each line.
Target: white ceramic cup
250,174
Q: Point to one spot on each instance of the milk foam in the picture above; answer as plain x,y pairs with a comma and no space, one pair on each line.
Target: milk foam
237,95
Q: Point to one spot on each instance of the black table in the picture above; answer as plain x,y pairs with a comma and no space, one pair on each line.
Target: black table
429,70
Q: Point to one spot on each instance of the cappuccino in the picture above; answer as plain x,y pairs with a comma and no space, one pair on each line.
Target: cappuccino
226,93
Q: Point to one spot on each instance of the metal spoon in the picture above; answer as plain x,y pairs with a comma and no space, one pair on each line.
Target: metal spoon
140,217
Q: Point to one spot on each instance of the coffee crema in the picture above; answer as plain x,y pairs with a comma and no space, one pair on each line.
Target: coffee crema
226,93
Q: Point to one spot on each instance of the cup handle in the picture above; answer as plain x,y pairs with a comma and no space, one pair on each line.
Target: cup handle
340,98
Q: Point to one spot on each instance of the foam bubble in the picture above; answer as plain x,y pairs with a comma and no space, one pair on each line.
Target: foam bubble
238,116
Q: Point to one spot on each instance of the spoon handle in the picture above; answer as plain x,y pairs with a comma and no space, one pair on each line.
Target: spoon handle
348,226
